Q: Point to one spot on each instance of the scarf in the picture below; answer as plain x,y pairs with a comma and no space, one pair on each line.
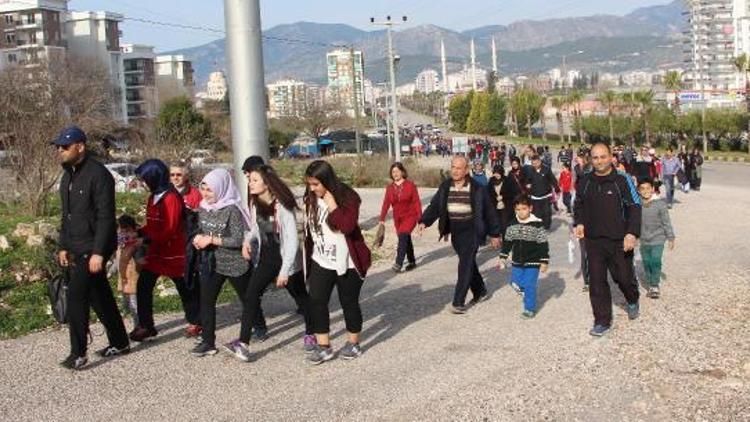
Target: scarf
155,174
225,194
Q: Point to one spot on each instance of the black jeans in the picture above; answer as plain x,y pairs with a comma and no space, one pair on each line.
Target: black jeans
405,249
465,244
349,285
584,262
86,291
145,297
567,196
542,209
607,255
209,294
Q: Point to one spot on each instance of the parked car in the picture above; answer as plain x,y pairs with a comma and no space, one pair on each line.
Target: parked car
124,175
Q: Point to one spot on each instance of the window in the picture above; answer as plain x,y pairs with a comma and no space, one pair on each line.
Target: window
9,19
12,58
32,38
10,38
31,18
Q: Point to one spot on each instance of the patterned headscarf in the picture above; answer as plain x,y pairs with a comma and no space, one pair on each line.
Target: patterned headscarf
225,192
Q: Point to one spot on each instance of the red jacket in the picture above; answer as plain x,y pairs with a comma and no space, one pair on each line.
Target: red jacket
165,231
566,181
407,208
192,198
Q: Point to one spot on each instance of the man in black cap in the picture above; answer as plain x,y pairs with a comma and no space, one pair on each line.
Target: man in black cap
88,237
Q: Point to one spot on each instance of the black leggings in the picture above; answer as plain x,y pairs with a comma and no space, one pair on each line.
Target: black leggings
349,285
145,297
405,249
210,289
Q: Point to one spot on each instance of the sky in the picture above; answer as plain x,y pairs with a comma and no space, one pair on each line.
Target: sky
452,14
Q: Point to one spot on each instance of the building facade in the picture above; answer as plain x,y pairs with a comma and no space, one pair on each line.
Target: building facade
341,88
427,81
31,31
141,94
286,98
174,77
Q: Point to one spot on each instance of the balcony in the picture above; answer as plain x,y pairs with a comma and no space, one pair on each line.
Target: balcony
21,25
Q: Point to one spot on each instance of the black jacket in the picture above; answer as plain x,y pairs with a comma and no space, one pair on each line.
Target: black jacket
88,209
486,220
607,207
542,182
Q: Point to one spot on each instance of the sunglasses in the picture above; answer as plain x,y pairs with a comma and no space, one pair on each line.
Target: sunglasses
64,147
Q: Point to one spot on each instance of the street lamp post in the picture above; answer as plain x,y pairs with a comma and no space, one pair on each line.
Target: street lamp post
388,23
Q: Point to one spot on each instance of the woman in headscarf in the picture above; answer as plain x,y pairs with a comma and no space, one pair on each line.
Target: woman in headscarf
165,236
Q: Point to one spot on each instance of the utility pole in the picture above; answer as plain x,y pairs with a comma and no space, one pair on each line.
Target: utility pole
355,101
247,96
388,23
473,67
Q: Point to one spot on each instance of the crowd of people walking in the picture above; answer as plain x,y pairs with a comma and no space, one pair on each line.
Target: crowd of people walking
200,237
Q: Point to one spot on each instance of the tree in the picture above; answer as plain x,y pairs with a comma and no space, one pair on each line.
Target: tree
610,101
525,103
742,63
478,120
574,99
317,119
645,100
36,104
673,82
181,127
559,104
498,107
458,111
491,82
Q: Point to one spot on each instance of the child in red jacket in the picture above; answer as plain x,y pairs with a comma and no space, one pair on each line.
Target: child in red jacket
566,185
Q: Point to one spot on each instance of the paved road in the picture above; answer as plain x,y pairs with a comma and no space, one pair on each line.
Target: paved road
687,358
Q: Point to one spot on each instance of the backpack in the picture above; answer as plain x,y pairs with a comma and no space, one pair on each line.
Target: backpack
57,292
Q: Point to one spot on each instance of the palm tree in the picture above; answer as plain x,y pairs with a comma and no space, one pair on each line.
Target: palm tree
610,100
673,82
559,103
742,63
574,99
645,99
540,103
627,99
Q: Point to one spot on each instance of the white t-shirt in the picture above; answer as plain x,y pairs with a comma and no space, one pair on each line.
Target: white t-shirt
330,249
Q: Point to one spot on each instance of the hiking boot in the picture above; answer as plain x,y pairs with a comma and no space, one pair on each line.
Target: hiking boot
528,314
350,351
75,363
458,310
479,299
111,351
204,349
309,343
396,268
320,354
634,311
259,335
599,330
140,334
410,266
238,349
193,330
653,292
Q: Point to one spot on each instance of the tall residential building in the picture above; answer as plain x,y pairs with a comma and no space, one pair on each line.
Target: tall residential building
174,77
216,87
717,32
31,30
340,83
141,95
96,36
286,98
428,81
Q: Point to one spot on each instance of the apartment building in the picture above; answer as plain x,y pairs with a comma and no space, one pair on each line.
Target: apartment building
141,94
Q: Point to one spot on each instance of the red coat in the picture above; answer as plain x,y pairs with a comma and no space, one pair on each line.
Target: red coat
566,181
407,208
192,198
165,230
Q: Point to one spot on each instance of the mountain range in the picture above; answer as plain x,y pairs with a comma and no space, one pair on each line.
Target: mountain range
646,38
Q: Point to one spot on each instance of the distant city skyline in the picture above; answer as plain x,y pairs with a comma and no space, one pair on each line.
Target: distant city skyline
450,14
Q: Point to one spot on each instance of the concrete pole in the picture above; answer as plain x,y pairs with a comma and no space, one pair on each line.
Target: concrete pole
247,94
473,67
355,103
445,68
394,98
494,56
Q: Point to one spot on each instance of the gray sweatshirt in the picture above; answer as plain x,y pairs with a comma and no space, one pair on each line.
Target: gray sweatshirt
656,227
286,222
228,224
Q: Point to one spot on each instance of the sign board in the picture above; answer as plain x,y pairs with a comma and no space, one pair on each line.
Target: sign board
687,97
461,145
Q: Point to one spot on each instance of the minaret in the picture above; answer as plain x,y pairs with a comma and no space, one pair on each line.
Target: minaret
494,56
445,69
473,67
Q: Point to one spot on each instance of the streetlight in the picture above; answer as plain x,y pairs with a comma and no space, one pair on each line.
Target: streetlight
388,23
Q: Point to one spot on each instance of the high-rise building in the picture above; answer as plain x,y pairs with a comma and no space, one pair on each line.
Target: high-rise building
286,98
174,77
718,31
141,95
31,31
428,81
340,83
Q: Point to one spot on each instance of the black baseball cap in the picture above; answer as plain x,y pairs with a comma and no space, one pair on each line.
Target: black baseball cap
70,135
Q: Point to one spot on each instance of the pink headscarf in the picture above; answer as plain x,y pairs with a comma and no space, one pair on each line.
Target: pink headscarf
225,192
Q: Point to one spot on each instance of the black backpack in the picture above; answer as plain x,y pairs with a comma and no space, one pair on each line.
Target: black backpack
57,292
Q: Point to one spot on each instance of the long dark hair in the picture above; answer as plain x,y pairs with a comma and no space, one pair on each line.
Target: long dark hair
398,165
325,174
276,186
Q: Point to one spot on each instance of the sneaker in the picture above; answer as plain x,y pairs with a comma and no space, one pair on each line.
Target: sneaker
458,310
585,288
238,349
111,351
204,349
193,330
479,299
528,314
259,335
140,334
309,343
599,330
634,311
653,292
320,354
396,268
74,362
516,287
350,351
410,266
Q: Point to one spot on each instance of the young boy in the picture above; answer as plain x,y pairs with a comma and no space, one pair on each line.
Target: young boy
656,229
526,240
129,258
566,185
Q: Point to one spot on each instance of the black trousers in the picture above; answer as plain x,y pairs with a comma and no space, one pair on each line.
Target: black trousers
405,249
584,262
542,209
145,296
349,285
209,294
502,216
465,244
607,255
86,291
567,196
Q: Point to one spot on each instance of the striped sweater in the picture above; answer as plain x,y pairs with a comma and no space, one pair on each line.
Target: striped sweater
527,242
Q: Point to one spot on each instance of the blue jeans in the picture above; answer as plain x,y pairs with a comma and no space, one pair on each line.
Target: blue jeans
669,187
526,278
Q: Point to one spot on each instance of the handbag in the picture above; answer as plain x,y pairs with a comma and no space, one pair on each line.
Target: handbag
57,292
379,236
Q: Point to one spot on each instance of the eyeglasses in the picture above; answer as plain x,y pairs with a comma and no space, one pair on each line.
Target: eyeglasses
64,147
175,174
